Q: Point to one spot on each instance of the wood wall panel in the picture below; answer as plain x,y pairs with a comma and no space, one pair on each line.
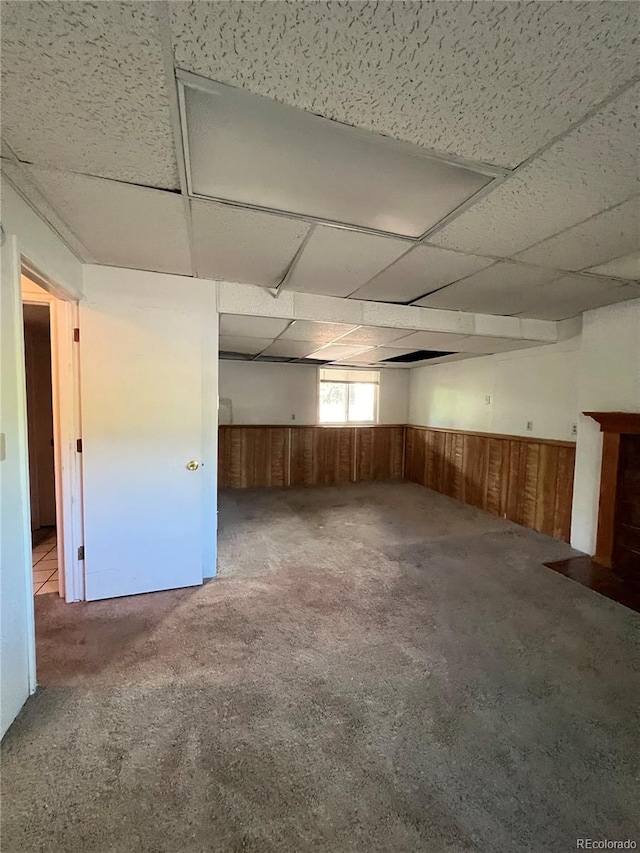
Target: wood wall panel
529,481
255,456
379,453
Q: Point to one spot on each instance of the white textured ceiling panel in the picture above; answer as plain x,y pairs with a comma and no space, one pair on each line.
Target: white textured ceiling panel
573,294
422,270
488,345
310,330
592,169
336,262
248,346
291,349
374,356
242,326
429,340
496,290
627,267
602,238
485,81
373,335
333,352
120,224
84,89
243,245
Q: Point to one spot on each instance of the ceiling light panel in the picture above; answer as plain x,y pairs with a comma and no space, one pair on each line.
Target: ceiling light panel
333,352
592,169
251,327
628,267
120,224
602,238
373,335
256,151
310,330
247,246
335,262
291,349
73,77
499,289
423,269
250,346
573,294
429,340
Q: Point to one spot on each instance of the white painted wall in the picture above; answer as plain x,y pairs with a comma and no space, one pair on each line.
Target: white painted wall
538,385
24,234
263,393
609,380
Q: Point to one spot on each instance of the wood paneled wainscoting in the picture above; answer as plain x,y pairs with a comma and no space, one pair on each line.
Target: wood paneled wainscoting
253,456
527,480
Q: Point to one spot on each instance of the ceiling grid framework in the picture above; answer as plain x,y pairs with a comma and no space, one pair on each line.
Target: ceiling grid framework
558,235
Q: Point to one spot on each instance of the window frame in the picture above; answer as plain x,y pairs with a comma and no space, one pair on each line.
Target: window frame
348,382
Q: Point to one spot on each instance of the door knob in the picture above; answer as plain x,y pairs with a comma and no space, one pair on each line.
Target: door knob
192,466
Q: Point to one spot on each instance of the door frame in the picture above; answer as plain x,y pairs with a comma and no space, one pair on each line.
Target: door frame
65,387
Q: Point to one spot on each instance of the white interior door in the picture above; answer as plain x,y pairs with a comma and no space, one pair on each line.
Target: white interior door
142,424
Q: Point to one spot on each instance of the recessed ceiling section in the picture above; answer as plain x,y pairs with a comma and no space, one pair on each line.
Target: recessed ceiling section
255,151
246,246
120,224
602,238
335,262
337,352
239,325
373,335
316,331
420,271
627,267
499,289
572,294
247,346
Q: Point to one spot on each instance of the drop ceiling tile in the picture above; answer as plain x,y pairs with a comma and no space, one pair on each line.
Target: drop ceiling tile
291,349
84,89
487,344
423,269
120,224
250,346
486,81
592,169
499,289
251,327
373,335
602,238
428,340
336,262
311,330
573,294
333,352
247,246
373,356
627,267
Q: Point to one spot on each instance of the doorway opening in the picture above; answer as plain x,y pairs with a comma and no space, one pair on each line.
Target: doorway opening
42,473
53,422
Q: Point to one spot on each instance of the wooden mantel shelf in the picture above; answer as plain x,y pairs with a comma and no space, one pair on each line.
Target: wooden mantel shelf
627,423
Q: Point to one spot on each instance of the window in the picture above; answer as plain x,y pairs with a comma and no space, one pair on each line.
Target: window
348,396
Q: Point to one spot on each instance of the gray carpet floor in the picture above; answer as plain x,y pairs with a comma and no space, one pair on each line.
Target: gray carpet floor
376,668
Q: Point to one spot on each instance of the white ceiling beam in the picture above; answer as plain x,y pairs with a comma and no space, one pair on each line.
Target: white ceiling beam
247,299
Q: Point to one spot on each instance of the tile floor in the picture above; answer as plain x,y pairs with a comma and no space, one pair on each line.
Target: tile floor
45,561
